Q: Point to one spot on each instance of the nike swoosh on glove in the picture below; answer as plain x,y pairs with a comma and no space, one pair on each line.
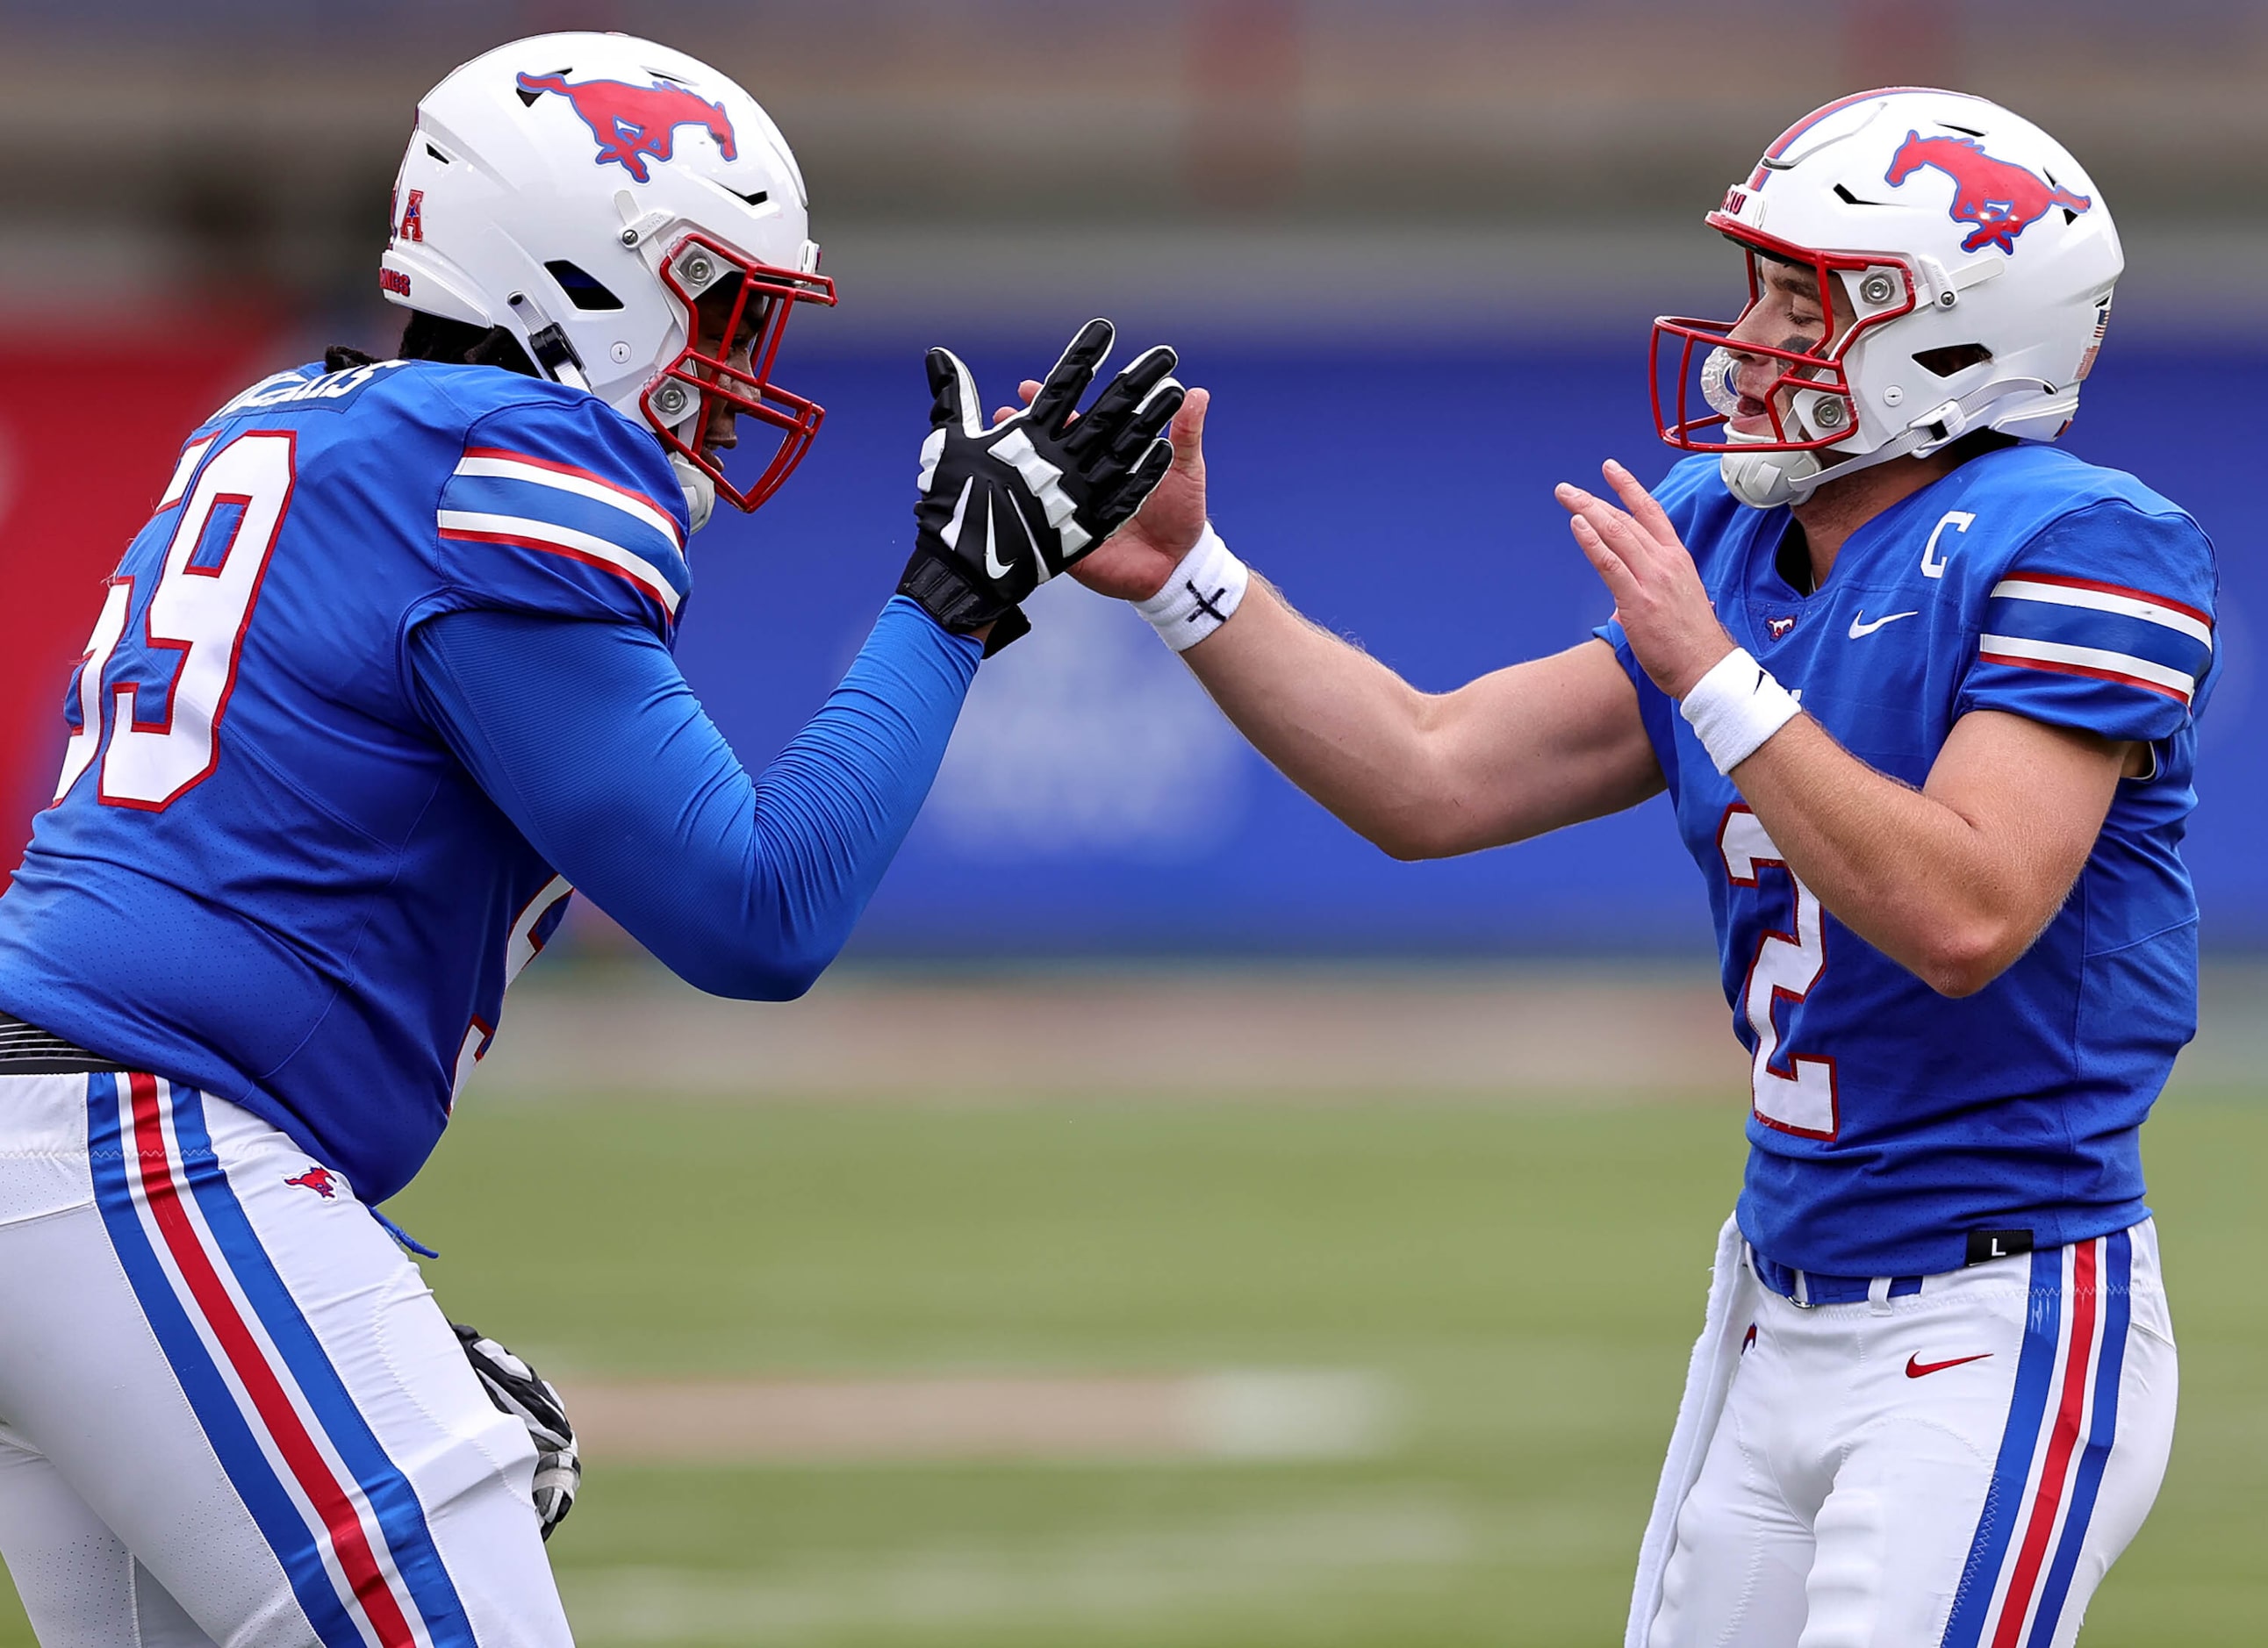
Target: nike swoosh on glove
1003,509
518,1390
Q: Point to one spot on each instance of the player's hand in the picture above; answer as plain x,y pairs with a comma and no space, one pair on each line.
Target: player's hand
518,1390
1003,509
1138,558
1673,628
1136,562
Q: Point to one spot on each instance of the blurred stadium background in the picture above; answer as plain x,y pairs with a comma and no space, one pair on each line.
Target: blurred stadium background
1175,1223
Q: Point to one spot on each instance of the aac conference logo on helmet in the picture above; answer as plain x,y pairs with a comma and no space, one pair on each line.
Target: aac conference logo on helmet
631,121
2000,198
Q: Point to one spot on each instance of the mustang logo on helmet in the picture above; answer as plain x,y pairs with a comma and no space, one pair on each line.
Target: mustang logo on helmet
1999,197
634,122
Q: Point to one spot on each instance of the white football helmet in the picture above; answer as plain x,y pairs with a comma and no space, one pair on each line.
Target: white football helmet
1977,260
581,191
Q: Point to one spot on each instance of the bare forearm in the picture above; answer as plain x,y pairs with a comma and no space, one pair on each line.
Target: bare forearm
1947,881
1518,753
1336,722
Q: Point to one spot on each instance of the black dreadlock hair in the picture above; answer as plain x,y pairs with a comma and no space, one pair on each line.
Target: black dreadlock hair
429,337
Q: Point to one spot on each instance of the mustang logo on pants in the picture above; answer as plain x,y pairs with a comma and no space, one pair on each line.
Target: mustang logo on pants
322,1180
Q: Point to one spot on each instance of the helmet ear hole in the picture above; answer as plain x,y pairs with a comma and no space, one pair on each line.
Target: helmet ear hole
584,290
1950,358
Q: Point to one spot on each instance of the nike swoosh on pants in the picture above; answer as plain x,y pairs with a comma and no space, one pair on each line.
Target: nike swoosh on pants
1915,1368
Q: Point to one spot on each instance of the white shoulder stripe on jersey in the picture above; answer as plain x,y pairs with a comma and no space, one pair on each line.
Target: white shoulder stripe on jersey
544,534
597,491
2105,600
2087,660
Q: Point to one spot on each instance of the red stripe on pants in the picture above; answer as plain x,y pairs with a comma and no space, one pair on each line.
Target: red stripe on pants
291,1439
2085,1304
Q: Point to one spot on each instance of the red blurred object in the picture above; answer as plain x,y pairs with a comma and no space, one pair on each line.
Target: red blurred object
1247,64
91,417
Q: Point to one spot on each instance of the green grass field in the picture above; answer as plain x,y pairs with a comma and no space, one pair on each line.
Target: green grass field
1528,1278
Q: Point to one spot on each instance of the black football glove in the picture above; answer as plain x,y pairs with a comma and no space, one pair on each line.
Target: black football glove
518,1390
1003,509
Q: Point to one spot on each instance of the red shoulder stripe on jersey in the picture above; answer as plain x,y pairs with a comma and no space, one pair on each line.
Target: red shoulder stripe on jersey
556,467
2101,588
2057,667
664,598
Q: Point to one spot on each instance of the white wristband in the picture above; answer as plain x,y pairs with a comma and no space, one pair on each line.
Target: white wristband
1204,591
1736,707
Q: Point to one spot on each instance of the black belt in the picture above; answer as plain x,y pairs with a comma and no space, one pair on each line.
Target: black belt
28,1050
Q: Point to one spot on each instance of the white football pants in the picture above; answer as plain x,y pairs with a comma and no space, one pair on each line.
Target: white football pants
1957,1466
231,1412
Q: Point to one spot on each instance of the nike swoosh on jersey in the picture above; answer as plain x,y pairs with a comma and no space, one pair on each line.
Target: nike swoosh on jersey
1915,1368
1859,625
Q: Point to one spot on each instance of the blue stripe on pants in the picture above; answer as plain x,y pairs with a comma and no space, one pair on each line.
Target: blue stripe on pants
2115,1280
401,1518
273,1510
2004,1500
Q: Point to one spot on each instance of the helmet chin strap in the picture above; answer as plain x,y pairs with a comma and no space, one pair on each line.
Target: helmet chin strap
1766,480
700,491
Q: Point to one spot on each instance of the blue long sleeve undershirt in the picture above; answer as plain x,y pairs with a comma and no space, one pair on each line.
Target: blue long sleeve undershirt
589,739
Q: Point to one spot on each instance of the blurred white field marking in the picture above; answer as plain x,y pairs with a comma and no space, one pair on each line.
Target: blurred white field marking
1281,1560
1279,1563
1568,1031
1235,1415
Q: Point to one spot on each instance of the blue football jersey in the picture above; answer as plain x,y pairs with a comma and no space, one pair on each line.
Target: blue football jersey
264,875
1889,1123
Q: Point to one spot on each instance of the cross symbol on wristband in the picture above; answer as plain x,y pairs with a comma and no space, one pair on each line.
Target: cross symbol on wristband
1205,602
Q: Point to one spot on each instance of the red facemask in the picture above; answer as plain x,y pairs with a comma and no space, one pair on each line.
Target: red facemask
716,381
1819,372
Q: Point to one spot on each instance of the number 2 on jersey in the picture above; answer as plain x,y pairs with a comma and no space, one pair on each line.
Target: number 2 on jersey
199,609
1793,1094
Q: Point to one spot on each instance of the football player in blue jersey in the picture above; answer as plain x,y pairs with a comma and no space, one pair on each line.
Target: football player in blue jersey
1924,692
389,672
